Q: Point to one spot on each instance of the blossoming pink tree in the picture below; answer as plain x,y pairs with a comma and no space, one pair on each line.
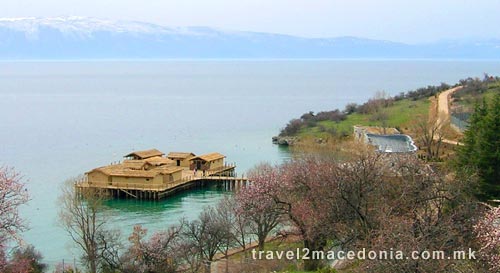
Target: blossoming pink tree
159,253
12,195
256,204
488,235
309,199
298,192
322,200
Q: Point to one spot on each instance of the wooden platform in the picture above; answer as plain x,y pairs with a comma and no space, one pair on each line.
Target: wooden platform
189,179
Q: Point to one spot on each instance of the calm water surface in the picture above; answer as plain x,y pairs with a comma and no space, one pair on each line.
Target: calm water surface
60,119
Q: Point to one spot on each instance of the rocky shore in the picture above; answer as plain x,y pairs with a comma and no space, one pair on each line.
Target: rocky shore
284,140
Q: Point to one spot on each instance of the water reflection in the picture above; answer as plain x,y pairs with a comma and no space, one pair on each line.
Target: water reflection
126,213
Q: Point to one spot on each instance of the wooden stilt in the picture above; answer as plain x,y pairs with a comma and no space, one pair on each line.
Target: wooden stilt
224,178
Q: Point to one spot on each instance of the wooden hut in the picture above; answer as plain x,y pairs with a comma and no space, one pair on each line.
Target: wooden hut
133,164
150,175
170,173
157,161
138,155
207,162
181,159
118,175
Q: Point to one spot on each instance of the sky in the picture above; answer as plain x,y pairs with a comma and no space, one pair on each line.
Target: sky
417,21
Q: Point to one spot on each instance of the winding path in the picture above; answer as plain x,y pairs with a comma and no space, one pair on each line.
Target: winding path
443,111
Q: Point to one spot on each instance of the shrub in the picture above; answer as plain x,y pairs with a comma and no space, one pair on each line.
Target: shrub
25,259
292,128
351,108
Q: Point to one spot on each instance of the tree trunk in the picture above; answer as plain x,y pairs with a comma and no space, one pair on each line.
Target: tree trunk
227,260
93,266
262,241
313,245
208,265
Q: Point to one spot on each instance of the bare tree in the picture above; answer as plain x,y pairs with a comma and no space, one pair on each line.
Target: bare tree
227,217
82,216
359,182
189,255
382,117
207,235
241,225
423,209
430,135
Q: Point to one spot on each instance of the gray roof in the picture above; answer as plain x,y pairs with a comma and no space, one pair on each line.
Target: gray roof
391,143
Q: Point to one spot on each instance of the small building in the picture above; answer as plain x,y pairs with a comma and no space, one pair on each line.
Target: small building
140,155
170,173
134,164
207,162
150,175
385,140
146,164
121,175
157,161
181,159
392,143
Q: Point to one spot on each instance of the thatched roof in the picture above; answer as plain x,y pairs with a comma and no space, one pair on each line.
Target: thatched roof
209,157
145,154
158,160
119,170
179,155
168,169
133,164
135,168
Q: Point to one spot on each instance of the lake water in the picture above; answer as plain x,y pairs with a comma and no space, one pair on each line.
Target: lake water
60,119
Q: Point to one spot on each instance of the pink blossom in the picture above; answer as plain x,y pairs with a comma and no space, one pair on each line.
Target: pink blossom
488,234
12,195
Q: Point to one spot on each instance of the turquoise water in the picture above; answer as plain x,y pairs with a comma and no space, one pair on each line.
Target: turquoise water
60,119
157,215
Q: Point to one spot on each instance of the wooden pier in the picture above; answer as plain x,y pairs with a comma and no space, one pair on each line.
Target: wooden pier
224,177
149,174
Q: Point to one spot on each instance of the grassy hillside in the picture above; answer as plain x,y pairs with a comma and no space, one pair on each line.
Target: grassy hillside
400,115
466,99
403,111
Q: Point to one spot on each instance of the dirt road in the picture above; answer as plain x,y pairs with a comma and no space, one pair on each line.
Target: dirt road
443,110
444,106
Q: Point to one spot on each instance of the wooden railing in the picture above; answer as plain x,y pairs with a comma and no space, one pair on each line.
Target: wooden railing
130,186
215,174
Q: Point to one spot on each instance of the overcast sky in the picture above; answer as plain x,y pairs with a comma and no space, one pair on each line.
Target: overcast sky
416,21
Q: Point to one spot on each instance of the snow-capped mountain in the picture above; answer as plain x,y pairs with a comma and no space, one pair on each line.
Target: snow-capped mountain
82,37
76,25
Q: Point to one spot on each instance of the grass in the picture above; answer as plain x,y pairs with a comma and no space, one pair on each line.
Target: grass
275,245
469,100
243,262
401,114
318,271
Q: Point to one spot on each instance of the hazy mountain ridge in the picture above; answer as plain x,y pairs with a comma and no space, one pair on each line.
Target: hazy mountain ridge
81,38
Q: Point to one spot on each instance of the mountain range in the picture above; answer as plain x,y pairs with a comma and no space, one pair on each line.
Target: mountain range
63,38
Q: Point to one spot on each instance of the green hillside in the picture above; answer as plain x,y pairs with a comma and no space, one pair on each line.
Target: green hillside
401,114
